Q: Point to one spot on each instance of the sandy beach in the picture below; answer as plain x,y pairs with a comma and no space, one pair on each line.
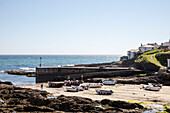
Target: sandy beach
123,92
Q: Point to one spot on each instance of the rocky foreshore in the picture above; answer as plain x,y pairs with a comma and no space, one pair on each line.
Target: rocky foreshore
17,99
28,74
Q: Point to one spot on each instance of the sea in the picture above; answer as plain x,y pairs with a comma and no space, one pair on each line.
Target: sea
30,62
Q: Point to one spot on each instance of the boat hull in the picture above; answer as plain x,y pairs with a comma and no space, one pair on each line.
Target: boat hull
72,89
104,92
109,82
151,88
56,85
95,85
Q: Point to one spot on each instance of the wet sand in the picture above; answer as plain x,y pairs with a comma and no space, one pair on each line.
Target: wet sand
123,92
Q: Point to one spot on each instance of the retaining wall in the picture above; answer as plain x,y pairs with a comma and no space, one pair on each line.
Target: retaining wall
45,74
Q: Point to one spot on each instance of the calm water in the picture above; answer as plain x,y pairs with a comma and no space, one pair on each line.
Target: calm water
29,62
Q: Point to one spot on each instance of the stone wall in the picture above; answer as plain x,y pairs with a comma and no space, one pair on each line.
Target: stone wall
146,66
60,74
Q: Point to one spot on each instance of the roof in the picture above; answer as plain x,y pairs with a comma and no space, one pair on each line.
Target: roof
133,50
165,44
124,57
152,44
145,46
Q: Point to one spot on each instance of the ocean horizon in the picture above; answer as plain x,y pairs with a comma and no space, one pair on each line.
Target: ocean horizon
30,62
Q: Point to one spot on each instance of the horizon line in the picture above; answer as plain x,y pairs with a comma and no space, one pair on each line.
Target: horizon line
52,54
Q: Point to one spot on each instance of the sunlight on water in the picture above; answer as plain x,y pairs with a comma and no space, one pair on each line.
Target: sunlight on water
30,62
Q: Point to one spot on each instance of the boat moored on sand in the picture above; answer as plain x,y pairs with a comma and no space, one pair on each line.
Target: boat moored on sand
72,89
155,85
71,82
109,82
98,85
150,87
104,92
55,84
85,87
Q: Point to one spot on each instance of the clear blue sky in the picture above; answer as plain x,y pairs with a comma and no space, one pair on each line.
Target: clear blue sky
81,26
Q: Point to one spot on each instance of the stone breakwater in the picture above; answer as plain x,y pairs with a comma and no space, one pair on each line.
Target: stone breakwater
17,99
45,74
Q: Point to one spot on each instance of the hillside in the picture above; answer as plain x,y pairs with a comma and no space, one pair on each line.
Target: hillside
152,60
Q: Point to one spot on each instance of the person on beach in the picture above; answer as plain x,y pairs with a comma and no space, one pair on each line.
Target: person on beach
41,86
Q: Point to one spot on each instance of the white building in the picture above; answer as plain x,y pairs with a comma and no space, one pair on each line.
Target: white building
146,47
165,45
132,53
156,46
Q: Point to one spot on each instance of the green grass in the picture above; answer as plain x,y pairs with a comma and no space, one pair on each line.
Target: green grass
146,57
153,52
142,74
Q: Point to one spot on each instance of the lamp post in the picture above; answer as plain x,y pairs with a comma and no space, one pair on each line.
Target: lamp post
40,61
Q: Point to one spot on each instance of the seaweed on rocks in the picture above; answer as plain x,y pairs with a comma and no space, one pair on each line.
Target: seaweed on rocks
16,99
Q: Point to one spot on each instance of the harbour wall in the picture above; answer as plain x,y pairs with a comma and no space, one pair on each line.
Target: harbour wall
45,74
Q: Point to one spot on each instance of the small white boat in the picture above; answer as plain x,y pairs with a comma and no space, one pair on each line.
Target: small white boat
104,92
109,82
72,89
155,85
85,87
80,88
150,87
98,85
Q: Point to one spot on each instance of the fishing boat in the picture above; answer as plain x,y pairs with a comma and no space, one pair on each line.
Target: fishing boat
72,89
104,92
85,87
71,82
109,82
150,87
55,84
98,85
155,85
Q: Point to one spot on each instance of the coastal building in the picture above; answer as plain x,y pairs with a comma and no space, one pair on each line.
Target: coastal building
156,46
123,58
165,45
147,47
132,53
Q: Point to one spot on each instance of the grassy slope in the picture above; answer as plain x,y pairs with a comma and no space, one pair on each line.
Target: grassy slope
146,57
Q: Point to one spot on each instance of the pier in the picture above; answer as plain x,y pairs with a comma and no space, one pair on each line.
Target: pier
45,74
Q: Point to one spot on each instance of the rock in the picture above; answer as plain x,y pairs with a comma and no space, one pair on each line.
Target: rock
38,100
16,99
28,74
105,101
30,108
121,104
7,83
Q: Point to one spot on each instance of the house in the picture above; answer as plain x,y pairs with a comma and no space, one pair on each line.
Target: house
132,53
146,47
123,58
156,46
165,45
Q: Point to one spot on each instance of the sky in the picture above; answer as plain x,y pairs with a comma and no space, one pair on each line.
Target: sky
82,27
